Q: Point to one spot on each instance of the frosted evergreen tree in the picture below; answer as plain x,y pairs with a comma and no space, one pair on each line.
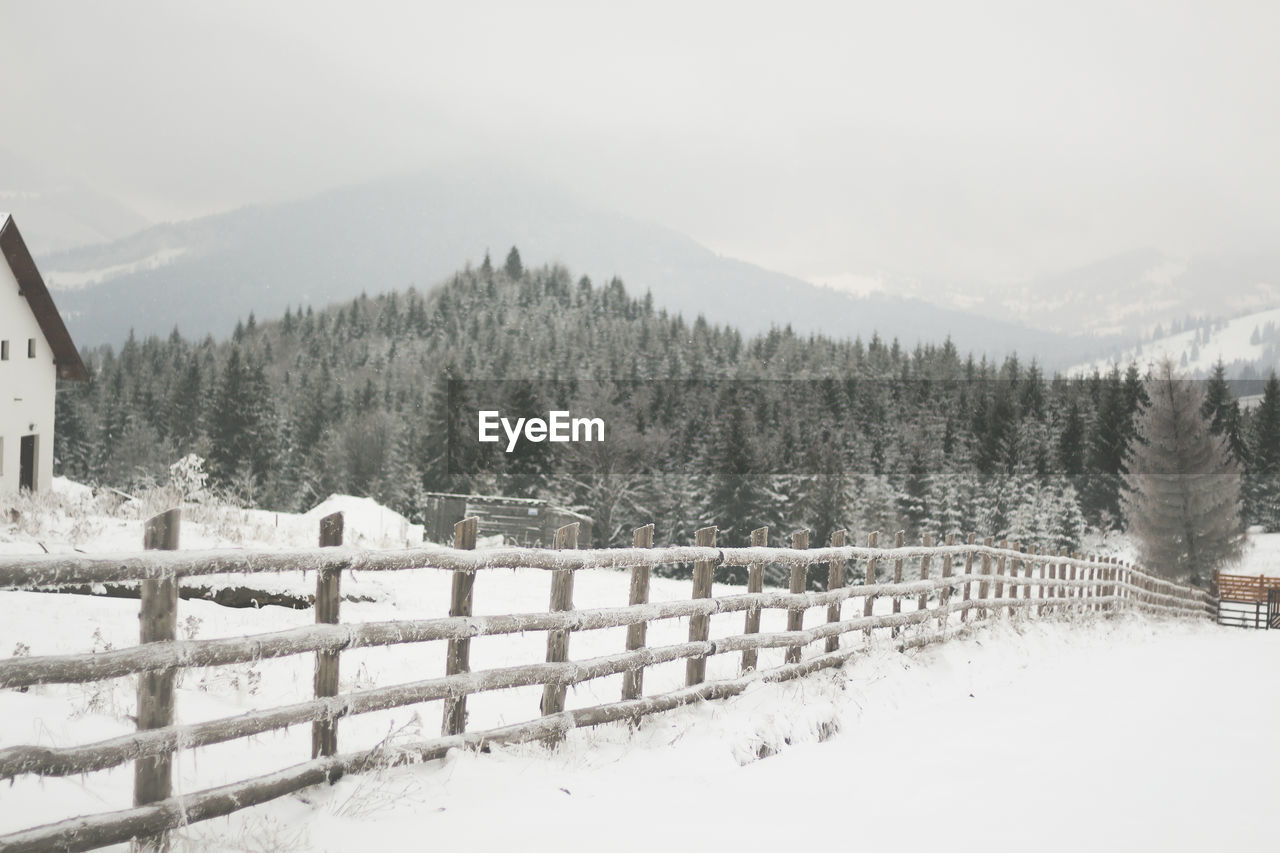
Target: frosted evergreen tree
1264,478
1223,412
1181,500
513,267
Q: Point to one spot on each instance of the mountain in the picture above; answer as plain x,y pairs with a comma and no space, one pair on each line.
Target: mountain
58,212
204,274
1124,297
1248,346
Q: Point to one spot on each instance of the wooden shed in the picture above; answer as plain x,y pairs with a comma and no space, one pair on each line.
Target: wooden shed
521,521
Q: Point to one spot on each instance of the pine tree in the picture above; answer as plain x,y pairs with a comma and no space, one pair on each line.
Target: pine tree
1223,412
241,428
1264,470
830,500
1071,448
1109,445
514,268
1182,490
738,498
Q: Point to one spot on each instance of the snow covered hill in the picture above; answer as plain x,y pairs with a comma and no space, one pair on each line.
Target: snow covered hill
1249,341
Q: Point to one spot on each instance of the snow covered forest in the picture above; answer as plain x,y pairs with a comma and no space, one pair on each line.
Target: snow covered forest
860,435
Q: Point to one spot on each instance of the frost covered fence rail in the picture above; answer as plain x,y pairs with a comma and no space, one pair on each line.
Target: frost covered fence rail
917,606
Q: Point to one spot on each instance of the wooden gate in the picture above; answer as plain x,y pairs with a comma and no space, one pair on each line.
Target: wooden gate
1248,601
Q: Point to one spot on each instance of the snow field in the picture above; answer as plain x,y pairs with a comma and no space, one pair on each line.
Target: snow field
1061,689
1123,734
69,714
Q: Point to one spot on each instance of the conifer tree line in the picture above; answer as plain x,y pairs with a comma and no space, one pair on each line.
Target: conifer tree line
778,429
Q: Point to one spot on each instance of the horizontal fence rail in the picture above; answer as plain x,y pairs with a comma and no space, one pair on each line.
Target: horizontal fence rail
976,583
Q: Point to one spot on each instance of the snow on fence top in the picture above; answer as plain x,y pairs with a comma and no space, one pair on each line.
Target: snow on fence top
993,583
28,571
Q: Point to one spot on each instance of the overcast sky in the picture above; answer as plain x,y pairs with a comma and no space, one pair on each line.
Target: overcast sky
953,141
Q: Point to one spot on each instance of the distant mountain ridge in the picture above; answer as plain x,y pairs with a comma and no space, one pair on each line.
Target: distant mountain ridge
204,274
1127,295
57,212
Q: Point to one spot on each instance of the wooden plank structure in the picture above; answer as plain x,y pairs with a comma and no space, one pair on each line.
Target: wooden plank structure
937,616
520,521
1248,601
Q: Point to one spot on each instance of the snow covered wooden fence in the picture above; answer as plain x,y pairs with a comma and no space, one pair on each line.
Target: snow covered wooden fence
1010,582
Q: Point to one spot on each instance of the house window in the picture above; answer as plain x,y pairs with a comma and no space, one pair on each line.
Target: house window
31,347
4,350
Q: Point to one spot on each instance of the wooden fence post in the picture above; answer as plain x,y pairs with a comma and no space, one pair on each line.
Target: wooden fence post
1013,573
158,622
899,539
1000,566
561,599
799,583
923,602
984,587
868,602
633,679
458,657
755,583
1073,592
695,670
944,595
1054,568
1027,567
835,580
968,569
1092,591
324,733
1041,592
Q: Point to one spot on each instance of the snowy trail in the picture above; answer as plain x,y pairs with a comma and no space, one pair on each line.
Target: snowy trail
1129,736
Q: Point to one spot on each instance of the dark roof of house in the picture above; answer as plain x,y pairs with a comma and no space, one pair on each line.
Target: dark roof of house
65,355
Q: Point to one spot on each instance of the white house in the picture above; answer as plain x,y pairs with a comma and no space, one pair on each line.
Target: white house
35,351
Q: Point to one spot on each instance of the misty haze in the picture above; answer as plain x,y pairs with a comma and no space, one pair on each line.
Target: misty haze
925,359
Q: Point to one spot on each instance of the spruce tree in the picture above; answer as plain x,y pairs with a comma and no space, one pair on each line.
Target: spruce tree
514,268
1223,412
1264,469
1182,490
1108,445
738,498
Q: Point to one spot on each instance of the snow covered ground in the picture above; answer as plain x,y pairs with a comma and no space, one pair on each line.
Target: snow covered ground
1126,735
1042,735
1230,344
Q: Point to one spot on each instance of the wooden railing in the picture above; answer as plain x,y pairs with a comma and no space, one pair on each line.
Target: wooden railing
949,597
1246,589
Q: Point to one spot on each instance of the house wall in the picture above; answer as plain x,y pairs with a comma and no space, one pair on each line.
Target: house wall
27,387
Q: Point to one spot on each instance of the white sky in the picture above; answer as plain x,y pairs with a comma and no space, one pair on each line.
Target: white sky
953,141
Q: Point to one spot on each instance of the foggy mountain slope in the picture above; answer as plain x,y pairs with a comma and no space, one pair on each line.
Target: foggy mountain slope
57,212
1128,294
204,274
1248,346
